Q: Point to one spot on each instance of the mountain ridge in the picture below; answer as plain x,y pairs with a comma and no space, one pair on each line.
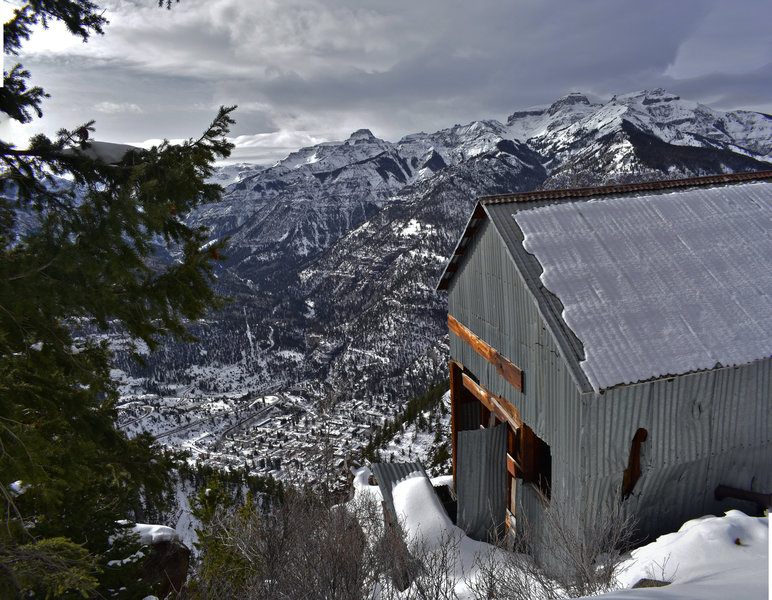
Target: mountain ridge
335,251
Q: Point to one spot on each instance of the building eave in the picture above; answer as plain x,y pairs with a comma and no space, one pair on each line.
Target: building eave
472,226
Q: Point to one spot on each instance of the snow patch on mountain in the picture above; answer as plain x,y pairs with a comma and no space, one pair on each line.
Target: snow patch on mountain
335,251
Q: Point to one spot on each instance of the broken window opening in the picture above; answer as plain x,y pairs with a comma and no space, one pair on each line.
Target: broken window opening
633,471
533,459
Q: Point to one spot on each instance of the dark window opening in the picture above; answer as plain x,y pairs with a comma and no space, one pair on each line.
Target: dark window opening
485,416
533,459
633,471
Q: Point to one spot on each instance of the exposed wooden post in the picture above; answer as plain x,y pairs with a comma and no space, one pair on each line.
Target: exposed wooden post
456,390
485,415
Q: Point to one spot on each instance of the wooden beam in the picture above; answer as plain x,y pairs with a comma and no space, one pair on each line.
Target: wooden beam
504,368
456,392
512,467
503,409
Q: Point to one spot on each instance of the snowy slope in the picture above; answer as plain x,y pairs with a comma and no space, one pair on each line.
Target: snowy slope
710,558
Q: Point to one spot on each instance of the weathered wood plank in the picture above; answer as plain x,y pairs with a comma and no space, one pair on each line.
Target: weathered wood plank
456,391
503,409
512,466
504,367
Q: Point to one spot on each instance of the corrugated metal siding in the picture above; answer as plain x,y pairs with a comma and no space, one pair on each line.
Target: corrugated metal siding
490,297
470,416
482,480
530,510
703,428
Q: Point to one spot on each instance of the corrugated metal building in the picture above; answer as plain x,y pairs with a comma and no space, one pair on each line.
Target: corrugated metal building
658,391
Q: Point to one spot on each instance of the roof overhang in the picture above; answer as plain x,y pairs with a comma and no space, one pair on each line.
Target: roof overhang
474,223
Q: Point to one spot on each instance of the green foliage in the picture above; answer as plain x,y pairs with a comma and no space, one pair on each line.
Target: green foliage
80,16
440,458
53,564
216,555
415,409
77,253
235,483
219,505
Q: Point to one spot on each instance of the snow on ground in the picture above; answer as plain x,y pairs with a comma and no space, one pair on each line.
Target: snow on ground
427,527
154,534
415,443
710,558
411,444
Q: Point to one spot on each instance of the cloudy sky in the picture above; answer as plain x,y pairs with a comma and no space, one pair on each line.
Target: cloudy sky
305,71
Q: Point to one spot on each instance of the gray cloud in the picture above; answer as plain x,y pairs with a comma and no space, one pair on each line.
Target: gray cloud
318,69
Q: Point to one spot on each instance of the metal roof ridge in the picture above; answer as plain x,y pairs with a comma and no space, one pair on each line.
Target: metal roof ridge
626,188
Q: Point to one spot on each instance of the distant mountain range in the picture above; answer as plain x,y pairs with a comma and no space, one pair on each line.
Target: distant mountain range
335,251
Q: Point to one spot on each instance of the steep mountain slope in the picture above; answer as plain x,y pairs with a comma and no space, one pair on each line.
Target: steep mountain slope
335,251
375,289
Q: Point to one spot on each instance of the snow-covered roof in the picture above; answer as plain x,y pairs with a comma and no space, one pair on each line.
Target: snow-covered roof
644,280
661,283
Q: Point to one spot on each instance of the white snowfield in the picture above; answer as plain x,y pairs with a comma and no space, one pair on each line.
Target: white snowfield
660,284
710,558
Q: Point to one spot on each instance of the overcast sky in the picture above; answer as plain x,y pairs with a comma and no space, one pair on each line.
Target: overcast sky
305,71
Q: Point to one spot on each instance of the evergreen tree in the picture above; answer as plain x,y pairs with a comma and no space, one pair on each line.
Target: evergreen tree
81,241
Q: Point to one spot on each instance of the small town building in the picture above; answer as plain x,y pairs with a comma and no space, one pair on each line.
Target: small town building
613,345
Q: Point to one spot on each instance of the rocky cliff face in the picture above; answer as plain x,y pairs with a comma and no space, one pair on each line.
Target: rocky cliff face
336,250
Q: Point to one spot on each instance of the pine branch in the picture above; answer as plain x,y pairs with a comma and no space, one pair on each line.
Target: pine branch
16,100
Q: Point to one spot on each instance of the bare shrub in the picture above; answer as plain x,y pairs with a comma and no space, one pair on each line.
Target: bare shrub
299,550
506,572
426,572
569,556
303,550
662,570
435,577
585,550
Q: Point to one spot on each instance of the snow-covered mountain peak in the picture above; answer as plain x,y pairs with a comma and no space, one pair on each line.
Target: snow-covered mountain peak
361,134
568,102
362,145
450,146
647,97
233,173
536,122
